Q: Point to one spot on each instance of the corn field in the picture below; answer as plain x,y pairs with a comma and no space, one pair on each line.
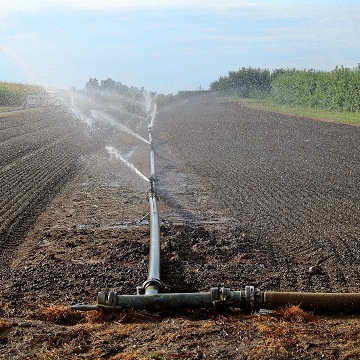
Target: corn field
335,90
13,94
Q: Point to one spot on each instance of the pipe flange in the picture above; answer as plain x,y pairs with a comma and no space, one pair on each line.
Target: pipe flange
225,294
215,296
152,194
220,296
152,178
250,298
108,299
111,299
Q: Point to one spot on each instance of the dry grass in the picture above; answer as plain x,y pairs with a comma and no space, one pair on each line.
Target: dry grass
64,315
99,317
79,331
352,354
277,338
135,355
57,354
285,334
4,325
293,314
165,338
125,316
59,314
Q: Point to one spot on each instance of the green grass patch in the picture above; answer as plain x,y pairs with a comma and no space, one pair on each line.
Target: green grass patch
345,117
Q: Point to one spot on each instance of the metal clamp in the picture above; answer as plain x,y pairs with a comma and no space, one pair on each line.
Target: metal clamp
220,296
140,290
107,299
252,298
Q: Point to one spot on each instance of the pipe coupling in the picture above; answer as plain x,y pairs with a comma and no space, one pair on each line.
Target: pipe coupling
220,296
248,299
107,299
140,290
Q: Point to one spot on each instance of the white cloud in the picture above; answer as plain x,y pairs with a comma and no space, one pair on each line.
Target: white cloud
30,5
257,9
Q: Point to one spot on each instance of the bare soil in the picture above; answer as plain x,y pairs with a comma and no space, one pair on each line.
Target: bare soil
246,197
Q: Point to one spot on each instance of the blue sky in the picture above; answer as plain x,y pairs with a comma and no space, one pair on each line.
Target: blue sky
170,45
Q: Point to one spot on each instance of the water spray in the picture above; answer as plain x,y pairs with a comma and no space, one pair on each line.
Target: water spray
113,152
108,119
154,295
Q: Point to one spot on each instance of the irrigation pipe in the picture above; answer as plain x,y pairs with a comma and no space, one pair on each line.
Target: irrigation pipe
154,294
153,285
249,299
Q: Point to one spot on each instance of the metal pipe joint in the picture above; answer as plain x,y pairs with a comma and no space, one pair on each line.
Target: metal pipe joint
160,286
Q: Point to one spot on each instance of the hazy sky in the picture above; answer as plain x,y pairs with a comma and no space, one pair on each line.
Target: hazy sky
170,45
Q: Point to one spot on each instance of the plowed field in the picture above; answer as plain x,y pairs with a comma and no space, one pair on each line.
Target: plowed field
246,198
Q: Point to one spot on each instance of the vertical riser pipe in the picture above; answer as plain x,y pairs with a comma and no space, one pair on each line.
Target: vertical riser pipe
154,254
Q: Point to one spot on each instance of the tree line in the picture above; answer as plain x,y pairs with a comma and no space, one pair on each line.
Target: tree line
338,89
109,85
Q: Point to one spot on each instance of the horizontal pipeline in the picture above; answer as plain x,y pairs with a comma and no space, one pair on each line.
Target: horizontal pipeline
249,299
318,302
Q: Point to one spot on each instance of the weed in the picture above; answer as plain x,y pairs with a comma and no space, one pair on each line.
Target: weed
57,354
158,356
136,355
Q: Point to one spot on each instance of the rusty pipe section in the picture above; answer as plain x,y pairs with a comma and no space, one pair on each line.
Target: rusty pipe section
318,302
